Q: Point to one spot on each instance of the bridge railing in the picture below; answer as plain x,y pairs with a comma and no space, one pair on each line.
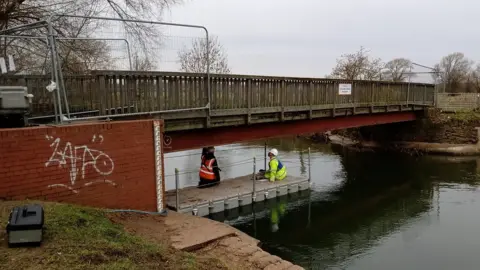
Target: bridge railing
116,92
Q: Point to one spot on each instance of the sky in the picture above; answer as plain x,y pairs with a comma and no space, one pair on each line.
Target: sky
305,37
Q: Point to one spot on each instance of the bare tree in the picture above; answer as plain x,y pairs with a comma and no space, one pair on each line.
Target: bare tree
453,70
30,53
358,66
474,78
373,70
142,63
195,58
397,69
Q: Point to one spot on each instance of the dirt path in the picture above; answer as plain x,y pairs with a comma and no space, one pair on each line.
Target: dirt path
204,237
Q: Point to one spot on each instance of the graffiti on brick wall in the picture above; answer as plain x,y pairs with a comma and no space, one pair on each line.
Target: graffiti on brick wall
78,159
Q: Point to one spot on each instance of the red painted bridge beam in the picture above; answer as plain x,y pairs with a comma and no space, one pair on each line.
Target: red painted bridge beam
197,138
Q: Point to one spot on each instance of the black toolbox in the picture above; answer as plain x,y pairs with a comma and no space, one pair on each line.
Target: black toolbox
25,225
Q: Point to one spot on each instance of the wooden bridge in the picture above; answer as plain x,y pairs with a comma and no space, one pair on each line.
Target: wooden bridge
190,102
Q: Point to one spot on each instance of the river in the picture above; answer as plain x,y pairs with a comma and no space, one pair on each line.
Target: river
366,210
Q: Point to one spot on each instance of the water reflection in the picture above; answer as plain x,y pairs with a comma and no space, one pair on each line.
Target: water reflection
369,211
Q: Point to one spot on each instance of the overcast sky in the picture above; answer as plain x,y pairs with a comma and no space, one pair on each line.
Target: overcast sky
304,37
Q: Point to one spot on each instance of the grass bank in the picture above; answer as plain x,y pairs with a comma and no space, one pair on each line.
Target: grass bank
85,238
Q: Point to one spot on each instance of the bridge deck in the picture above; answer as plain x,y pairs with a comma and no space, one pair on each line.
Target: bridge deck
233,193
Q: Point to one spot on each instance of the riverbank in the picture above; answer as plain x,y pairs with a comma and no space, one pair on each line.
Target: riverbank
409,147
85,238
438,133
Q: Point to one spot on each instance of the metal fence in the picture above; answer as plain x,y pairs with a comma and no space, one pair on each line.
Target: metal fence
67,57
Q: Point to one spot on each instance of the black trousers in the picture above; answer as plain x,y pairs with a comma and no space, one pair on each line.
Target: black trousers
204,183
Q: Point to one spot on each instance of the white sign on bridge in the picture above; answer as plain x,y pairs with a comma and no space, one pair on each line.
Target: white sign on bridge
345,89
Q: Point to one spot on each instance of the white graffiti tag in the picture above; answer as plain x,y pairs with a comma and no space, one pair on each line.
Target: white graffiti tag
78,159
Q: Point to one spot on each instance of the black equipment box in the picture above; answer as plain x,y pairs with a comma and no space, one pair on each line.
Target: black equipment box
25,225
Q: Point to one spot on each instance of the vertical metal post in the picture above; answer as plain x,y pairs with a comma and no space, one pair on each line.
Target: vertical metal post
54,68
265,157
309,166
60,77
54,99
177,196
254,179
209,92
129,55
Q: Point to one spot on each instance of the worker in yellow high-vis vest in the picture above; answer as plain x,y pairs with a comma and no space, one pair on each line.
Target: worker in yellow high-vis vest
277,171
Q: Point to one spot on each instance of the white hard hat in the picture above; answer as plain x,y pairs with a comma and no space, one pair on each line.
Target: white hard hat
274,152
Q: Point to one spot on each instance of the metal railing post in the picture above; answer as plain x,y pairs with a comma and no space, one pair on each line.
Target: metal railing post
177,195
52,45
62,81
265,157
309,166
254,179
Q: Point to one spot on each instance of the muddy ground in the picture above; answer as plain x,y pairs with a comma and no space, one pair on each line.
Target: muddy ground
234,249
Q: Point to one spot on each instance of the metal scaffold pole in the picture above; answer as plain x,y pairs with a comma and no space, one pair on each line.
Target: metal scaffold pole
254,180
177,195
265,156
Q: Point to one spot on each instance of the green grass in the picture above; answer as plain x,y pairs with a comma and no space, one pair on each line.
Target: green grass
465,116
84,238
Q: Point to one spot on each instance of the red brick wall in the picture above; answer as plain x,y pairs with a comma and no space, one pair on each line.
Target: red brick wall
108,165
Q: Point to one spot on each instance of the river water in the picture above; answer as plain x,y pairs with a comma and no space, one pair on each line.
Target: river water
365,210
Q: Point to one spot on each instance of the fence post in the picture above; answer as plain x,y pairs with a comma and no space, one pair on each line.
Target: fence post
372,91
309,166
354,88
424,95
335,93
311,95
408,94
249,101
254,194
177,195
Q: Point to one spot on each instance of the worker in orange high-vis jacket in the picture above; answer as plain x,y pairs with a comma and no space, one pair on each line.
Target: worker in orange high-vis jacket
209,170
